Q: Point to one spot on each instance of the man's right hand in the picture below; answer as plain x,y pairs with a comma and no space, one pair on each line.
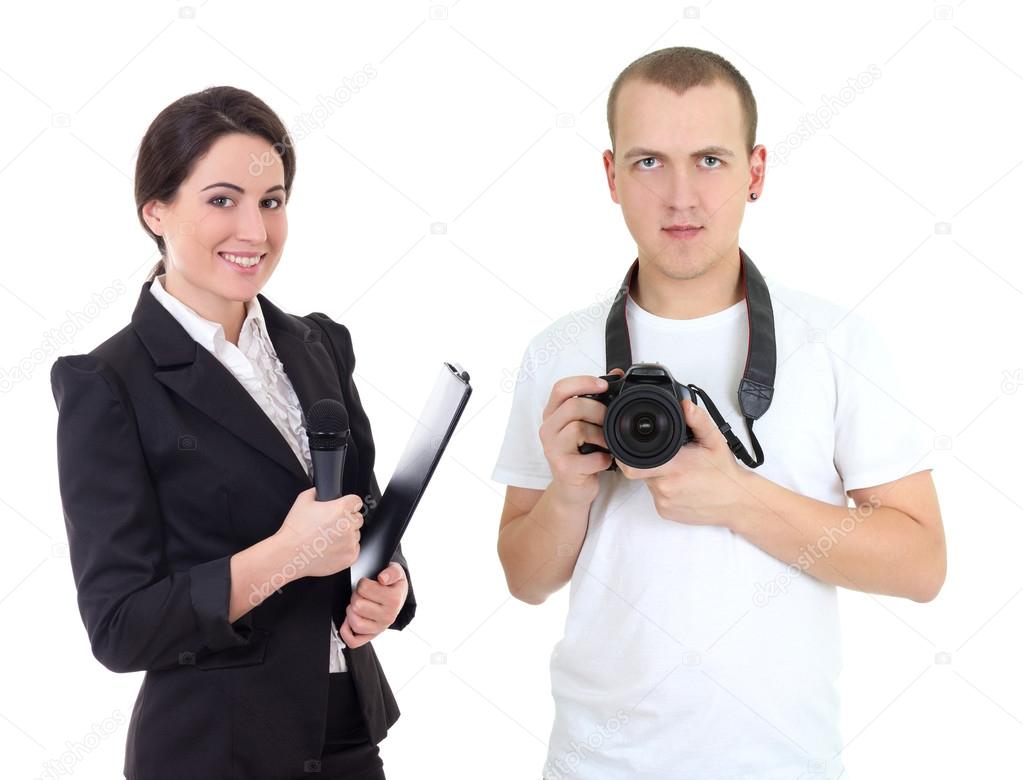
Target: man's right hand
569,421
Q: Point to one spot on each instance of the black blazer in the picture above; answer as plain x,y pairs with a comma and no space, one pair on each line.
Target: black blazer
167,468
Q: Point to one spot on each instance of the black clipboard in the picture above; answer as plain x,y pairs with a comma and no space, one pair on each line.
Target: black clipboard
387,522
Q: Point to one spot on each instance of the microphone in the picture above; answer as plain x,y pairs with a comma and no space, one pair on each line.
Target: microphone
327,428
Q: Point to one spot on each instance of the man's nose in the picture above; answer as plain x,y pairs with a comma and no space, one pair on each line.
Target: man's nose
680,191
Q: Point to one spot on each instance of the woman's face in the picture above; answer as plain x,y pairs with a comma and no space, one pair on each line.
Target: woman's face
231,204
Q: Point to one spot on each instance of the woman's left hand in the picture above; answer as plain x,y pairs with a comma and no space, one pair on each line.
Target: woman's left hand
375,605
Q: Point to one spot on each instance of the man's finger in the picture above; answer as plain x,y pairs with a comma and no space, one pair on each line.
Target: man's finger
698,419
634,473
572,386
582,409
580,431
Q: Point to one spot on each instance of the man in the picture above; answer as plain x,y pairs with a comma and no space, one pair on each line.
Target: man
702,638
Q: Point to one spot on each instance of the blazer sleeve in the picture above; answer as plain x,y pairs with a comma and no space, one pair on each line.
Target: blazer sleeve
138,615
341,342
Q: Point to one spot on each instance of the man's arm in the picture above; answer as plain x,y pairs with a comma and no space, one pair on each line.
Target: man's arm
542,531
892,542
539,540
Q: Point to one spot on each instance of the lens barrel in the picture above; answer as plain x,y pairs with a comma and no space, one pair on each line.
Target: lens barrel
644,426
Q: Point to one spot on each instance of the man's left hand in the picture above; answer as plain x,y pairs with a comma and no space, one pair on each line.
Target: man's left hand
702,484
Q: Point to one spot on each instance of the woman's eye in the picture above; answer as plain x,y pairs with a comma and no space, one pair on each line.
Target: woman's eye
277,201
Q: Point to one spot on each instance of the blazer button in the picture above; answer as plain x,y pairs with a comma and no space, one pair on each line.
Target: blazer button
186,659
312,765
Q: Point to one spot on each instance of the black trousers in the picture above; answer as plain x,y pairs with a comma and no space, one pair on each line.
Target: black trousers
348,753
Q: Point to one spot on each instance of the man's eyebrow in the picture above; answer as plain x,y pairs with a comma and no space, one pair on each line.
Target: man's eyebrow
640,151
712,151
236,188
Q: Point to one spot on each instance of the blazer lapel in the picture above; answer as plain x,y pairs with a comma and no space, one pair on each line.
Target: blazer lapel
199,378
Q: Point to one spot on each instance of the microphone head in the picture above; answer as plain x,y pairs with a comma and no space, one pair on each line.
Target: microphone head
327,425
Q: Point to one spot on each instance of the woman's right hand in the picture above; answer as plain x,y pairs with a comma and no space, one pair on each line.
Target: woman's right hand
321,537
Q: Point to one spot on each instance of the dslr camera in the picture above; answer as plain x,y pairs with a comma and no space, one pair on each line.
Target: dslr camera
644,425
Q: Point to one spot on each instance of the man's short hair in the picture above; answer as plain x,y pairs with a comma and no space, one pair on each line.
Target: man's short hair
681,67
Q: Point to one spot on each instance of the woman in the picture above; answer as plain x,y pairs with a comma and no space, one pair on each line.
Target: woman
199,551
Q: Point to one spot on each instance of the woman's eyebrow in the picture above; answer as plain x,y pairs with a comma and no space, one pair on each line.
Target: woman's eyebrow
236,188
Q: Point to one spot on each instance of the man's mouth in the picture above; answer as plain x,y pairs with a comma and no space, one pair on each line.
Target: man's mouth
683,231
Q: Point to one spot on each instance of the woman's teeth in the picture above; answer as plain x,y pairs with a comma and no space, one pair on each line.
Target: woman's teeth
245,262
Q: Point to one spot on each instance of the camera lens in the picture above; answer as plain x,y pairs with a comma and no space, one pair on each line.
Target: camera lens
644,426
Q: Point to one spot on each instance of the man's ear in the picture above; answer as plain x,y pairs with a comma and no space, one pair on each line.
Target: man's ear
609,170
757,169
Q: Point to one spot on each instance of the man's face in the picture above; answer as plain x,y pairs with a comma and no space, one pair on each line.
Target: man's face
680,162
208,219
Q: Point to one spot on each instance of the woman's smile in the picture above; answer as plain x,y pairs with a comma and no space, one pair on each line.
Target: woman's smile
246,263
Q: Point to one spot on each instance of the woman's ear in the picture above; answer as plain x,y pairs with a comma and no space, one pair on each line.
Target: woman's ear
153,213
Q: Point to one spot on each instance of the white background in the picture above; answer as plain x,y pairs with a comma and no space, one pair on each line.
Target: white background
451,207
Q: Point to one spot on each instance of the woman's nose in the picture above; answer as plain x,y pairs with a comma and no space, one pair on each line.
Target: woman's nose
250,226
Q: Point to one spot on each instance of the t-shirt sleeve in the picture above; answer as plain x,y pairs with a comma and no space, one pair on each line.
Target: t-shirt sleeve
521,462
879,437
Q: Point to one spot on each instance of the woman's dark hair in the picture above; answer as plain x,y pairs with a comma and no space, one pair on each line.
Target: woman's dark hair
184,132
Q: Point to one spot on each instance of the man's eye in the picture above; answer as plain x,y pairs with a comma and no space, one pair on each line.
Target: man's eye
642,163
715,159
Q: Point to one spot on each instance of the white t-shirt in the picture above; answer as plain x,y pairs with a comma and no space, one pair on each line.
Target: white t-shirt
689,652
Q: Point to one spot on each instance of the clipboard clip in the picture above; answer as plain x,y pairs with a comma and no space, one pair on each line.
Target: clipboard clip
458,371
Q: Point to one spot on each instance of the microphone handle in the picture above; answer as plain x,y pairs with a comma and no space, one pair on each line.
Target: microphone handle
328,465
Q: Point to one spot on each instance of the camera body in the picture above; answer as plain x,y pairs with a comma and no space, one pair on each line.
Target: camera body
644,425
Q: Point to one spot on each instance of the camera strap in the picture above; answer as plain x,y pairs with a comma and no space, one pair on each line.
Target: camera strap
756,388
